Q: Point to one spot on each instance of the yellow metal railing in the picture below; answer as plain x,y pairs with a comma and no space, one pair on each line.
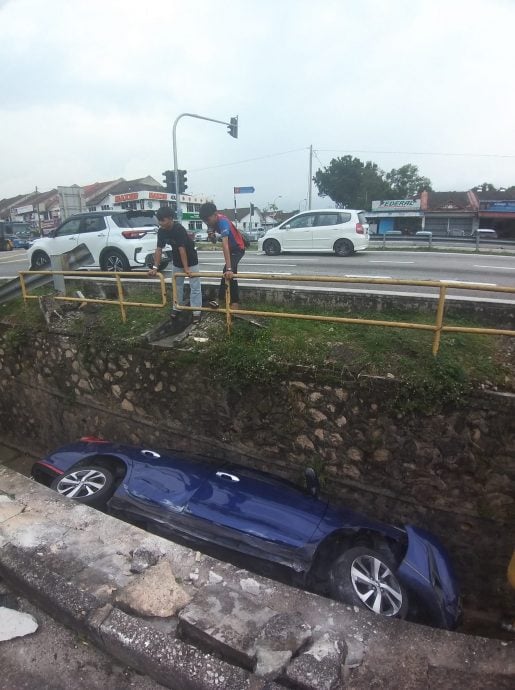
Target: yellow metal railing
117,277
437,327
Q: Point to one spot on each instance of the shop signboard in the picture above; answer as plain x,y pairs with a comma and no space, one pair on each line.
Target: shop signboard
396,205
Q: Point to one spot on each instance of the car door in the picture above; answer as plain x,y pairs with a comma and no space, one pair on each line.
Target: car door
66,237
93,233
297,233
256,513
328,228
159,486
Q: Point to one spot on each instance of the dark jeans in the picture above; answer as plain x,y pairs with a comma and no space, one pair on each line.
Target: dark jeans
236,256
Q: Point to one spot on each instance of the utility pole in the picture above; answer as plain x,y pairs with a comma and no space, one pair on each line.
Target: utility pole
232,130
310,175
39,217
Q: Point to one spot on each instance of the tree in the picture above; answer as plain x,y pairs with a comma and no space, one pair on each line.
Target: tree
406,182
351,183
486,187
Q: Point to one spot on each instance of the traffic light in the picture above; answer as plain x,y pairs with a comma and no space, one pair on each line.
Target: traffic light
169,181
232,129
183,186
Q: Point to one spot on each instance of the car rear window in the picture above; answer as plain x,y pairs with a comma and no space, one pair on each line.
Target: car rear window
136,219
362,218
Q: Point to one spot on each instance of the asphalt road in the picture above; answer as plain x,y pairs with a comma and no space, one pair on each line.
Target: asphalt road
485,269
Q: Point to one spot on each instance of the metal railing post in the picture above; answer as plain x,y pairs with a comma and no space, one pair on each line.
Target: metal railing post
228,313
120,297
439,320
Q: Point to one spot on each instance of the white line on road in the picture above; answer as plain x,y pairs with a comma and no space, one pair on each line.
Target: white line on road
377,261
381,277
465,282
505,268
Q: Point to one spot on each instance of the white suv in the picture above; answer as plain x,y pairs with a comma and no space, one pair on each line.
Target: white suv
117,240
342,231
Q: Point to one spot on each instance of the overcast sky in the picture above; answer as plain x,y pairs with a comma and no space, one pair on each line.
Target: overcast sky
91,88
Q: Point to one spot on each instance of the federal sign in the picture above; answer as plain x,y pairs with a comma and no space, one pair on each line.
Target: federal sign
396,205
244,190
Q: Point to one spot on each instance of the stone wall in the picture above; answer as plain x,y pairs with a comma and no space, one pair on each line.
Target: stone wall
452,473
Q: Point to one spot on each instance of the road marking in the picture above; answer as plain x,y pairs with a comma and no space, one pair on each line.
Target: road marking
465,282
13,261
505,268
377,261
380,277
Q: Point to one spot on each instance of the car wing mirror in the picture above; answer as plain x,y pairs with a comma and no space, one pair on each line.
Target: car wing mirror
312,481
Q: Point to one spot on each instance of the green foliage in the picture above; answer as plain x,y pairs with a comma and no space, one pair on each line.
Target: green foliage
406,182
350,182
353,184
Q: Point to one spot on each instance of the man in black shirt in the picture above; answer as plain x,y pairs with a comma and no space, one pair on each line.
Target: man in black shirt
184,256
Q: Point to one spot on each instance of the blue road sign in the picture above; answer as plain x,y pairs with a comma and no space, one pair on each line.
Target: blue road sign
244,190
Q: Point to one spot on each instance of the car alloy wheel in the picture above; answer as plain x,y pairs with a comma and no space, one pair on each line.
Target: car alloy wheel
376,585
40,261
272,248
366,577
91,485
115,261
343,248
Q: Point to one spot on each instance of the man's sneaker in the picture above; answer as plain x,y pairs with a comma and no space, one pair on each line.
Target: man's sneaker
213,304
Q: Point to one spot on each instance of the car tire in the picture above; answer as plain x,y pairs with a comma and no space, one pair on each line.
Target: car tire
271,247
91,485
114,261
343,248
364,576
40,261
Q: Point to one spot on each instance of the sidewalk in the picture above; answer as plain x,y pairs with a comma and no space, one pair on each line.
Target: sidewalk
194,623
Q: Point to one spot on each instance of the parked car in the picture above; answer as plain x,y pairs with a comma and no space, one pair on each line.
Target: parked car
388,570
117,240
19,242
342,231
201,236
487,233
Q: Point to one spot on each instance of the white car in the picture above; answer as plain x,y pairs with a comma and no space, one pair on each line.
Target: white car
117,240
342,231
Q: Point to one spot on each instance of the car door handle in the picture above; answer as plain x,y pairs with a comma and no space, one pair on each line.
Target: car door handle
150,454
226,475
101,234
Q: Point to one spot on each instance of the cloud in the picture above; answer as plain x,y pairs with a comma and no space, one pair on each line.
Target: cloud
91,90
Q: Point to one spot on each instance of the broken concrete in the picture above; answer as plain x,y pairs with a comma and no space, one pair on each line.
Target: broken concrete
15,624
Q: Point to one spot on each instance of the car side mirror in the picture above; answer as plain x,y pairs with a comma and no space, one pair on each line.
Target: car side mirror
312,481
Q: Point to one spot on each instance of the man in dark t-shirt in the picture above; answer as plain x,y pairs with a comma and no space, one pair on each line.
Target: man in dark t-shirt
184,256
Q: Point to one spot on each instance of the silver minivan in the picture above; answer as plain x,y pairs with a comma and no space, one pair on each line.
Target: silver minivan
342,231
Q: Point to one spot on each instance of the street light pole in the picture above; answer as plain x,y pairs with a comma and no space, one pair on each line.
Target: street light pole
174,142
310,175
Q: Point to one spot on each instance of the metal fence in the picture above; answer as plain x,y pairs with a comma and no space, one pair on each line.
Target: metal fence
437,328
117,277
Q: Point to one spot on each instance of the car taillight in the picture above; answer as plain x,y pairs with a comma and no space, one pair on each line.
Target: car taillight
92,439
360,229
134,234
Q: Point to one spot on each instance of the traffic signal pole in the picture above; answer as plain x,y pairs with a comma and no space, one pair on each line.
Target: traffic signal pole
233,131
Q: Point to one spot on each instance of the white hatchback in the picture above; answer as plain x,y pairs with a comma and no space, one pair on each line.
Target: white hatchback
342,231
117,240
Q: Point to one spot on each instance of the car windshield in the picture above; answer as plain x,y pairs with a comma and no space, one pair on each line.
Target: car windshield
135,219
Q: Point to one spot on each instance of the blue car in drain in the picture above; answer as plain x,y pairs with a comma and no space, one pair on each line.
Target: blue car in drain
391,571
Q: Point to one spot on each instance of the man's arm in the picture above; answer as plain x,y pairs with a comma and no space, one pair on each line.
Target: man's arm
184,259
157,260
227,257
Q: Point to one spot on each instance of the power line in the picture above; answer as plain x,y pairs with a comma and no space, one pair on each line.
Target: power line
420,153
250,160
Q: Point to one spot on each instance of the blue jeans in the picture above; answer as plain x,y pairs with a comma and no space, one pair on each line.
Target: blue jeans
195,288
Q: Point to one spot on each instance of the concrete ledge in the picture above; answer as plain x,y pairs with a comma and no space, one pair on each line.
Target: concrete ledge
239,630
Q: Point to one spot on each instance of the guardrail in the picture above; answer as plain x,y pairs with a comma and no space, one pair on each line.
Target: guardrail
117,277
437,327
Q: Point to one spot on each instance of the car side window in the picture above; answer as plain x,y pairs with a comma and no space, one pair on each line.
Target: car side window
71,227
94,224
328,218
305,221
345,217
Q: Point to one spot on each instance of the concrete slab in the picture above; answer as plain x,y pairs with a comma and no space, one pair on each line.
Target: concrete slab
15,624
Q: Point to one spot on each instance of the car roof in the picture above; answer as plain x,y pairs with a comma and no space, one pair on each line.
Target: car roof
330,210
